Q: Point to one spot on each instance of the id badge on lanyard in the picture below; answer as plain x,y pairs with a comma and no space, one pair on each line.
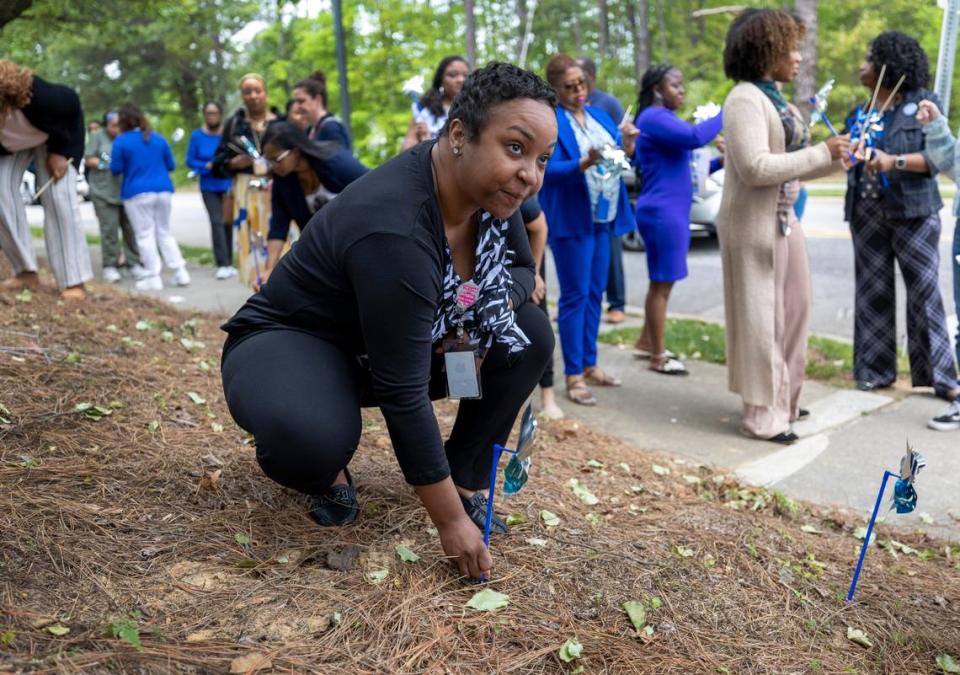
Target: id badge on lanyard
460,358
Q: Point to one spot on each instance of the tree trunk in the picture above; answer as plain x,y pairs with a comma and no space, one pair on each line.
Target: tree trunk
662,29
805,85
521,27
604,37
577,33
468,7
11,9
638,14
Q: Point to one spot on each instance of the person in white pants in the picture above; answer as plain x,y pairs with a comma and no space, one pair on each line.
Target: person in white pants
145,160
42,123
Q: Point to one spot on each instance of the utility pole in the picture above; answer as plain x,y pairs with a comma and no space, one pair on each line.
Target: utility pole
342,65
948,50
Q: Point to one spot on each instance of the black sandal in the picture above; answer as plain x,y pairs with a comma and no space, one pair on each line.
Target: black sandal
476,508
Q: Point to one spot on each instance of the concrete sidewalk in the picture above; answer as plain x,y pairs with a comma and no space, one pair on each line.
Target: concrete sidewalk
848,441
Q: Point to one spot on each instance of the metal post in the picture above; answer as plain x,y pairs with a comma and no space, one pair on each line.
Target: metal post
947,52
341,65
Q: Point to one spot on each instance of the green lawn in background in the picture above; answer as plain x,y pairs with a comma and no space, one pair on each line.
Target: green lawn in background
828,360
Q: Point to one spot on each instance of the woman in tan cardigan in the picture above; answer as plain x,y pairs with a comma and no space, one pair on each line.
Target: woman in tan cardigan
766,276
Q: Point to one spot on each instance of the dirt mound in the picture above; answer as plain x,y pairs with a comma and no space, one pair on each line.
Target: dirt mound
137,534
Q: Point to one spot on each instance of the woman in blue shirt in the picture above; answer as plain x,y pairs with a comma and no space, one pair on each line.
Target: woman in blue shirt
144,158
663,208
200,152
585,201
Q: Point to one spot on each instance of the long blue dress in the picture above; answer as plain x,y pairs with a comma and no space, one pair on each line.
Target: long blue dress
663,208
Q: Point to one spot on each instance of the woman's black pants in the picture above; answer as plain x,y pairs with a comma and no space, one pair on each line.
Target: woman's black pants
300,396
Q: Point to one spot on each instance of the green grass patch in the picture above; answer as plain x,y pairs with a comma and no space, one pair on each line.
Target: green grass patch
828,360
196,255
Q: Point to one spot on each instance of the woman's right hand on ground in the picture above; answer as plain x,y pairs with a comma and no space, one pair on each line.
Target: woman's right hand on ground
927,112
463,542
240,162
838,146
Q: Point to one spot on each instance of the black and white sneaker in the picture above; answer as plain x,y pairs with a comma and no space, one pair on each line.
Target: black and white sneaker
948,421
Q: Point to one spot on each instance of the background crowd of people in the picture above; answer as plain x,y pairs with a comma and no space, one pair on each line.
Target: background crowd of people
304,159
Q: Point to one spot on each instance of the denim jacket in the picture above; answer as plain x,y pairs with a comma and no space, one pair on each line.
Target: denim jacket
910,195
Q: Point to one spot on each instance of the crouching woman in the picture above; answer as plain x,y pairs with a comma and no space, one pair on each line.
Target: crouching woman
413,264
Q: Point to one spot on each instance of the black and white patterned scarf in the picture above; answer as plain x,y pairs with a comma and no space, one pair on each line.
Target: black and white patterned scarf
490,317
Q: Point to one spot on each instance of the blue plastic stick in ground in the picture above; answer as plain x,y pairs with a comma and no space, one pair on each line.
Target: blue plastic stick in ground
498,451
866,538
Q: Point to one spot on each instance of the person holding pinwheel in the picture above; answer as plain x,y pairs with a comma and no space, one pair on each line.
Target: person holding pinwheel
893,207
413,284
766,272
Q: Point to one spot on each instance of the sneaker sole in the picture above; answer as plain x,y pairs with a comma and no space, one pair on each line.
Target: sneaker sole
943,426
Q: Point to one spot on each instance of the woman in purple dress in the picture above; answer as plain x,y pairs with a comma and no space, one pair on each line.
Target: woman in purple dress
663,208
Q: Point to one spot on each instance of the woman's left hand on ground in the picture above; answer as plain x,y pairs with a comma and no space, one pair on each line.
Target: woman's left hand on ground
57,165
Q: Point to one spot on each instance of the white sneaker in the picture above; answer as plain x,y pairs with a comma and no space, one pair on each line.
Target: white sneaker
225,273
153,283
139,272
948,421
180,277
111,275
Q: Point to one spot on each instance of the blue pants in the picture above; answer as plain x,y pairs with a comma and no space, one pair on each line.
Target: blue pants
956,283
616,292
582,265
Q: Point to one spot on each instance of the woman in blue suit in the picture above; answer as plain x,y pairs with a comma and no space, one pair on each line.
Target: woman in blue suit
584,201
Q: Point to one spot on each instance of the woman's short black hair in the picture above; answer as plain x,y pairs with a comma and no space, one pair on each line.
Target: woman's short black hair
757,39
215,104
904,57
648,84
490,86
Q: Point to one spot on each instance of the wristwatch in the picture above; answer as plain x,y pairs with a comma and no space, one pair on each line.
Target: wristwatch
900,162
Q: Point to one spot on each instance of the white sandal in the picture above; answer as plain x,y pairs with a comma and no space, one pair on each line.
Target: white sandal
668,365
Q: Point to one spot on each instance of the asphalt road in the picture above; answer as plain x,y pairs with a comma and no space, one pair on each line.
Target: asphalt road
701,294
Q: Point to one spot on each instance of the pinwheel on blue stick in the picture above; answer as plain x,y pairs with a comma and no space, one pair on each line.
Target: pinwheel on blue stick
904,501
819,107
518,468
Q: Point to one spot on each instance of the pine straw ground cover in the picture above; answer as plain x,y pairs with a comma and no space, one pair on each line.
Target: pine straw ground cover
137,534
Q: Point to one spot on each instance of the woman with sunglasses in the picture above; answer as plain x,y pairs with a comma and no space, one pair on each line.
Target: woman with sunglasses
585,202
306,175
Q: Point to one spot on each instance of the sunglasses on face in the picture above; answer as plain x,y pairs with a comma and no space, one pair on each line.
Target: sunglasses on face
573,86
282,156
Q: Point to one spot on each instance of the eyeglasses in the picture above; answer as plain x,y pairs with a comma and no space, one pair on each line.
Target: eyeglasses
279,158
573,86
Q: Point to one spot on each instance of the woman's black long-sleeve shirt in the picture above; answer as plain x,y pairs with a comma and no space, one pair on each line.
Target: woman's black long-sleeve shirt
367,276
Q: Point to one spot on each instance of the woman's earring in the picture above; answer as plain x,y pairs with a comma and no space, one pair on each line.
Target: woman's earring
441,91
456,150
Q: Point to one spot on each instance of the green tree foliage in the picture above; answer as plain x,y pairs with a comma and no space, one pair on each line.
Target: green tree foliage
173,54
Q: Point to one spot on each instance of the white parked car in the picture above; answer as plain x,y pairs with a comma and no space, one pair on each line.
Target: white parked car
29,187
703,211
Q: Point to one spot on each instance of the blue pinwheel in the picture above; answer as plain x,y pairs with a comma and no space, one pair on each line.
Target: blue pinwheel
518,468
904,501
